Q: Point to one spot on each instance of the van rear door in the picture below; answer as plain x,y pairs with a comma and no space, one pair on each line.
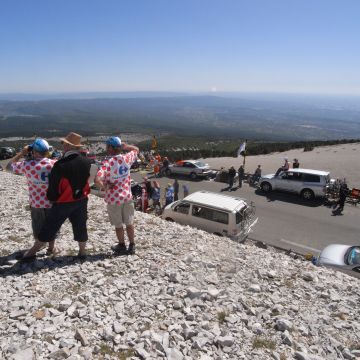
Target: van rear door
245,221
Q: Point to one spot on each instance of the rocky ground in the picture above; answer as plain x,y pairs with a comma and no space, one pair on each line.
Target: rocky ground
185,294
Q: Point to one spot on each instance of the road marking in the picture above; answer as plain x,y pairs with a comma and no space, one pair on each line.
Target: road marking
299,245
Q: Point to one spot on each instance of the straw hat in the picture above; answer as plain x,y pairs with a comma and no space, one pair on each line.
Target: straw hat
72,139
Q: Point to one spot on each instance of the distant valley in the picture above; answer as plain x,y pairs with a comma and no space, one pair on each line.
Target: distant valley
246,117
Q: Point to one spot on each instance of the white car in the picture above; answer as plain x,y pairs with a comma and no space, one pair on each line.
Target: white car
305,182
192,168
216,213
345,257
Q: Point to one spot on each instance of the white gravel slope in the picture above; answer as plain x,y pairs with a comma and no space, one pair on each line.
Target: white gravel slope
185,295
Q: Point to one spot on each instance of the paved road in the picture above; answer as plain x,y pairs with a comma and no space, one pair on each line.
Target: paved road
286,221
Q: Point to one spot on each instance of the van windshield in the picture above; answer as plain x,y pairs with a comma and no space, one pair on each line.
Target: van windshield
352,256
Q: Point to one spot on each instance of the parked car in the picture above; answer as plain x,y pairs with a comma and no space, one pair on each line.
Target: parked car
7,152
219,214
345,257
305,182
192,168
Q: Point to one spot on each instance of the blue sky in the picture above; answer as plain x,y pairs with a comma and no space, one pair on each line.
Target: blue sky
306,46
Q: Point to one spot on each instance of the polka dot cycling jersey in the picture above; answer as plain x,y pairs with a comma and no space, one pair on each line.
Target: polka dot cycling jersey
115,174
37,176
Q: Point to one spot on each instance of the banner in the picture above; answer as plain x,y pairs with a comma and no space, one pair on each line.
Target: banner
242,148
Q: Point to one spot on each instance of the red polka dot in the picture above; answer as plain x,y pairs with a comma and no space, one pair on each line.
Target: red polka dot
32,163
38,167
48,167
33,172
27,167
116,195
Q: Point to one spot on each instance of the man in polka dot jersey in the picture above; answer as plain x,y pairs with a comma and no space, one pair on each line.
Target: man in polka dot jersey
36,169
114,177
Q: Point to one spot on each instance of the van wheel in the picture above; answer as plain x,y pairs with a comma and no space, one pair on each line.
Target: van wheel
266,187
193,176
307,194
169,219
217,234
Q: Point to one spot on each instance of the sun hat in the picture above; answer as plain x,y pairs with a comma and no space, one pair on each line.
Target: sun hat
40,145
114,141
72,139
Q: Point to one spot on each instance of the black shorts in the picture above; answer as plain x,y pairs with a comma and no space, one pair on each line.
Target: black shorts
75,211
38,217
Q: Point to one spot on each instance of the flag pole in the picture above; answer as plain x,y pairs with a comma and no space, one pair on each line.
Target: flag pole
244,155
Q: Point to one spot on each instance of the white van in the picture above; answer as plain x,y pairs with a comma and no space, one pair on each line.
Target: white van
216,213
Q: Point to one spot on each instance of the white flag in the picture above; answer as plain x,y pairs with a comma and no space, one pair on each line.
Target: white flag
241,148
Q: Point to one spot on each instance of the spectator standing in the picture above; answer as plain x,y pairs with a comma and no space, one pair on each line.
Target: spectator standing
156,194
231,174
241,174
343,193
176,190
148,186
169,194
165,166
114,176
68,191
36,170
185,190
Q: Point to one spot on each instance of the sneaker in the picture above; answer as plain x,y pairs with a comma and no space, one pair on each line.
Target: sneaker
119,249
131,250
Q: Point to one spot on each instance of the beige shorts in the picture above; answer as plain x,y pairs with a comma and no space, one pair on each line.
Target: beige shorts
120,215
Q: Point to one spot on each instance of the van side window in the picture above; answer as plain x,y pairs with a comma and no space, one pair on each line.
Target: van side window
183,208
210,214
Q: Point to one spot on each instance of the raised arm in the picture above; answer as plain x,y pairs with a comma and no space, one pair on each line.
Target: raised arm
16,158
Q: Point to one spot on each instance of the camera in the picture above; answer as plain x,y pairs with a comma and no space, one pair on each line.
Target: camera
29,154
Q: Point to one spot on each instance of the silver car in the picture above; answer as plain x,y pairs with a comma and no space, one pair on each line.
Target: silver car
192,168
346,257
305,182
